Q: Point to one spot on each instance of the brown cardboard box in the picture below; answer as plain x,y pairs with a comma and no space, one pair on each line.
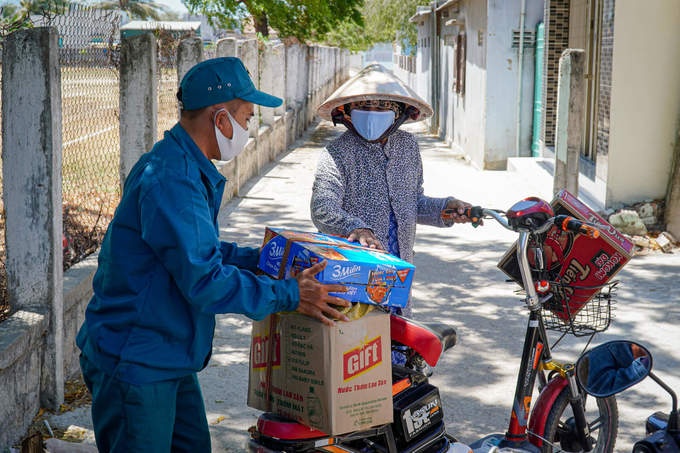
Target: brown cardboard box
579,265
335,379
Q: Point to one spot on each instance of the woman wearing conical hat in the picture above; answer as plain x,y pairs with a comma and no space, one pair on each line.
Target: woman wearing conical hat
369,181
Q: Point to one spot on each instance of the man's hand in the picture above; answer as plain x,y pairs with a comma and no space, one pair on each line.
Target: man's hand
455,211
314,297
366,238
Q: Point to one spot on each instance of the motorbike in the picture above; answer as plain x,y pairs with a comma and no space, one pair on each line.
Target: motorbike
564,418
615,366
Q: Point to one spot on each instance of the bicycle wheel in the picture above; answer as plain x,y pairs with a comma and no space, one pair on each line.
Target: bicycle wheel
602,415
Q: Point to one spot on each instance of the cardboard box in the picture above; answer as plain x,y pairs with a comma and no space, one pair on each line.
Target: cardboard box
581,265
371,276
335,379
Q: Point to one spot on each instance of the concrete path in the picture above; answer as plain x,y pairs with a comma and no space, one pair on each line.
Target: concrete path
457,282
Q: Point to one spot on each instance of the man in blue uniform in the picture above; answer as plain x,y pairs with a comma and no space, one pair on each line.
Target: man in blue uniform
164,273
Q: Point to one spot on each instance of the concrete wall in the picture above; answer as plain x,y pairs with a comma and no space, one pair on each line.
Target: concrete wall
485,121
469,111
37,342
645,100
505,104
423,77
31,340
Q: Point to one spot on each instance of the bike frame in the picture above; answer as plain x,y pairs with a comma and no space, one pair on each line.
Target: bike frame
526,425
526,428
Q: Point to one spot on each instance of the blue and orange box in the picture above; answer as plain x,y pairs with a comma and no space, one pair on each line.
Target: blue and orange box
371,276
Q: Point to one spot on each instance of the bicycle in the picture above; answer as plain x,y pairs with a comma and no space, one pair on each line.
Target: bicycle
564,417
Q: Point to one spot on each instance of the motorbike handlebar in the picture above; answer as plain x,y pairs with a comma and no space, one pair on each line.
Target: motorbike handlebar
563,222
568,223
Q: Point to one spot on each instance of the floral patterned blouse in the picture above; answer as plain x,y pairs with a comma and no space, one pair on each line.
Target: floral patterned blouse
357,184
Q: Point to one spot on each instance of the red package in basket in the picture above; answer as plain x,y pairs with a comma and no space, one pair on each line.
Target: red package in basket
578,265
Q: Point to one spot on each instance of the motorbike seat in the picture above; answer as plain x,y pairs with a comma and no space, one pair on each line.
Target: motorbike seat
429,340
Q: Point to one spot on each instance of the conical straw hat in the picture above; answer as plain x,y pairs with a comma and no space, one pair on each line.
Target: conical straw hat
375,82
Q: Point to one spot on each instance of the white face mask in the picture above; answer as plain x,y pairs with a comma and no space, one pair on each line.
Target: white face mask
230,148
371,124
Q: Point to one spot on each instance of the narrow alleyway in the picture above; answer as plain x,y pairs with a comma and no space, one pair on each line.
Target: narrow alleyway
457,281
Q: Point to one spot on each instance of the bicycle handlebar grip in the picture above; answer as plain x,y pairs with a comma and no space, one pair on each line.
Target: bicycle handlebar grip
475,213
568,223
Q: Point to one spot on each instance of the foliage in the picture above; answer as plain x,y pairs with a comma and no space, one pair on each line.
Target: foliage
384,21
389,19
136,9
12,19
44,7
302,19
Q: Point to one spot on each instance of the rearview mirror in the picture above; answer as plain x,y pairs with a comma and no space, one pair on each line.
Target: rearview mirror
612,367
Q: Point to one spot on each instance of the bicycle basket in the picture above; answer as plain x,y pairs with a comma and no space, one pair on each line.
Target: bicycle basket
580,310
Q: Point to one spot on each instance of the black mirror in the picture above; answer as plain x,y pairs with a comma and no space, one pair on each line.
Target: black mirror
613,367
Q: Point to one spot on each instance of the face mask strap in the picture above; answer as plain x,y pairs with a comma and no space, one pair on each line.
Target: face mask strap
338,116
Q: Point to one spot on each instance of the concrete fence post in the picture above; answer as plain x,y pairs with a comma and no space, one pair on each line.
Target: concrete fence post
189,53
672,213
279,76
292,75
304,87
312,53
138,99
249,55
32,191
268,69
569,121
227,47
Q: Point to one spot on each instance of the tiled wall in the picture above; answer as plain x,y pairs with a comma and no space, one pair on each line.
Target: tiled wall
556,40
604,99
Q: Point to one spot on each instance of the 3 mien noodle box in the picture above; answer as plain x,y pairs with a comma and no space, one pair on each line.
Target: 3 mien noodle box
335,379
579,265
371,276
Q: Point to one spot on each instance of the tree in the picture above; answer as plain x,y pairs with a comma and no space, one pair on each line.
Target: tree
302,19
383,21
389,19
136,9
15,17
43,7
11,20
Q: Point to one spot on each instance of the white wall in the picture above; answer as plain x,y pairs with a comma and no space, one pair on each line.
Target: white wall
423,58
645,99
469,111
502,84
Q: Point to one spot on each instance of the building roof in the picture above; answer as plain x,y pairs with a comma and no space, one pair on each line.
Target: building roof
420,12
163,25
447,4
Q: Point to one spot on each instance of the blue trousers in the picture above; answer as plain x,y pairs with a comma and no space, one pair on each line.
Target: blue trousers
167,416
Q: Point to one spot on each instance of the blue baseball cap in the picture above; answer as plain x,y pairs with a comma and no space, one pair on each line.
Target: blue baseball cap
220,80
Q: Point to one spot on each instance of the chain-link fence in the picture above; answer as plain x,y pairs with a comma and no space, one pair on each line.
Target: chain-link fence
89,55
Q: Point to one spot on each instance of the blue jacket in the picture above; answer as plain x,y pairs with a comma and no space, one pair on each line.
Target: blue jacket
163,272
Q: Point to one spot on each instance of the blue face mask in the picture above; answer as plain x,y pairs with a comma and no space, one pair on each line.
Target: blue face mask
371,124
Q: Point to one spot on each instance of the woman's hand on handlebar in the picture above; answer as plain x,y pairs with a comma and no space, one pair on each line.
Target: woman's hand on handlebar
458,211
